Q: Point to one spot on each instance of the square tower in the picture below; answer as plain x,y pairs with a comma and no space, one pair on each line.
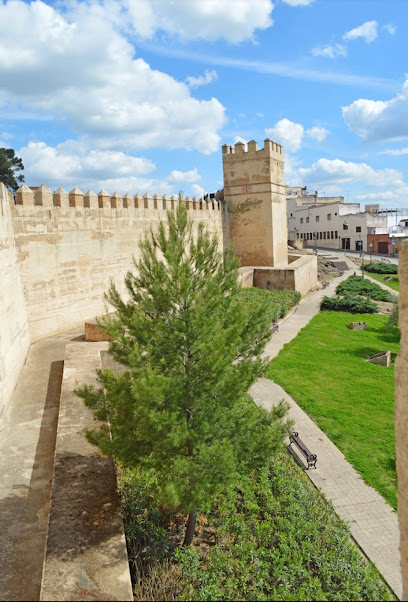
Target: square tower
254,190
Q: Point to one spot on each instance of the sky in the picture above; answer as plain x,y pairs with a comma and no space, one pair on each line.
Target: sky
140,95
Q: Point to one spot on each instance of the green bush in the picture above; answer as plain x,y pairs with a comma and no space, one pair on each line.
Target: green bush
272,537
356,285
278,302
349,302
382,268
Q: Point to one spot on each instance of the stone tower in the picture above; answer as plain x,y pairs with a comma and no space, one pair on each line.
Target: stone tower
254,189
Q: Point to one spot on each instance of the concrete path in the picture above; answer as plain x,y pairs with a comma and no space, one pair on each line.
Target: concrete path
27,445
373,523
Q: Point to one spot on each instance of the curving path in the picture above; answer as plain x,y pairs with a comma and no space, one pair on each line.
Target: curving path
373,523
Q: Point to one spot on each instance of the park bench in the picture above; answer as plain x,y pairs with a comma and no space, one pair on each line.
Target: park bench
311,458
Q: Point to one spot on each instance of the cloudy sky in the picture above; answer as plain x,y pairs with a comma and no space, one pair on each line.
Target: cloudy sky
139,95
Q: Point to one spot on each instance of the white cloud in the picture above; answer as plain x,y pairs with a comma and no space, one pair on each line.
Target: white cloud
378,120
184,176
318,133
336,171
330,51
287,133
71,164
202,80
200,19
198,190
243,140
368,31
391,29
84,71
395,151
298,2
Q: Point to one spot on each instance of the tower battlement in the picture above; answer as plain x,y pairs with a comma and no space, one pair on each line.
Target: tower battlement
237,152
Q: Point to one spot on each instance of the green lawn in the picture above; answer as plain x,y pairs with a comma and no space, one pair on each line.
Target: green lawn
352,401
394,283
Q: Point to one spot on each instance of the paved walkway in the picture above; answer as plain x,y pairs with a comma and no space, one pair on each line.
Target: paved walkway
373,523
27,445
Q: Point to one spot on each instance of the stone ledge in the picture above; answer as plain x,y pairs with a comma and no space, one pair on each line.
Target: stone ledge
86,556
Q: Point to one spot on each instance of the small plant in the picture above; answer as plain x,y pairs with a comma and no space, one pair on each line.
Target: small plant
277,302
356,285
351,303
381,268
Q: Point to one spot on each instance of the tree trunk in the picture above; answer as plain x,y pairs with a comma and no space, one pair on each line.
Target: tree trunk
191,523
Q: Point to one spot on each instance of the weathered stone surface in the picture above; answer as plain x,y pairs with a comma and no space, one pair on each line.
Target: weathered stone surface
86,556
382,359
357,325
95,333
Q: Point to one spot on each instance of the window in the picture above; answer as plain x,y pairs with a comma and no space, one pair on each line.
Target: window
307,220
324,235
335,214
301,220
321,235
358,228
317,218
345,226
336,234
291,215
329,216
332,234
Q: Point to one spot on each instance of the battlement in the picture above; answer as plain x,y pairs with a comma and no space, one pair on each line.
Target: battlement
114,203
238,153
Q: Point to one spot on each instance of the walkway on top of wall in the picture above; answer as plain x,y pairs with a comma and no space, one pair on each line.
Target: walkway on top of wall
373,523
27,449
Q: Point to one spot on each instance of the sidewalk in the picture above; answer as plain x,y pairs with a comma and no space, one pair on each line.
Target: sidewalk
373,523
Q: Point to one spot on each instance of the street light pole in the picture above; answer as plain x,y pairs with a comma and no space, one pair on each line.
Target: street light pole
362,264
315,241
393,247
371,252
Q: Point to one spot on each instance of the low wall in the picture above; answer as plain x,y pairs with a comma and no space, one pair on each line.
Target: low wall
300,275
71,245
14,337
401,415
86,557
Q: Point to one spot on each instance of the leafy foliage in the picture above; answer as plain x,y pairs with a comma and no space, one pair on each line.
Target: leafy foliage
349,302
190,351
360,286
393,321
381,268
276,538
10,164
278,302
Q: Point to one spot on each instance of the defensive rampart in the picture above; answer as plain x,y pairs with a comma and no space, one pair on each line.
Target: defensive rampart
71,245
14,337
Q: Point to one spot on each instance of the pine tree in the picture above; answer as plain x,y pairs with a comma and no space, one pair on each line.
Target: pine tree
190,351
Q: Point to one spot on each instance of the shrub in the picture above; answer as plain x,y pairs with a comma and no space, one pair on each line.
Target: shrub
356,285
276,538
278,302
351,303
382,268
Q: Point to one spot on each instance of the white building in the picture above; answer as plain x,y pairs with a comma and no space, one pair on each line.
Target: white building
333,225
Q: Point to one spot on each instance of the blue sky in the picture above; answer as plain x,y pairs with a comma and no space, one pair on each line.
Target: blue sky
139,95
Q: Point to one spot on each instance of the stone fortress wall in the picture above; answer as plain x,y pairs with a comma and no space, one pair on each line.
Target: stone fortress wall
58,253
14,335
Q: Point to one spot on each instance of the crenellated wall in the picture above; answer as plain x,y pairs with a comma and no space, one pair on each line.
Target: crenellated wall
70,245
14,336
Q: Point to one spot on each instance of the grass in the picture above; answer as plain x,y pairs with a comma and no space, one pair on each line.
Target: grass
352,401
394,283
